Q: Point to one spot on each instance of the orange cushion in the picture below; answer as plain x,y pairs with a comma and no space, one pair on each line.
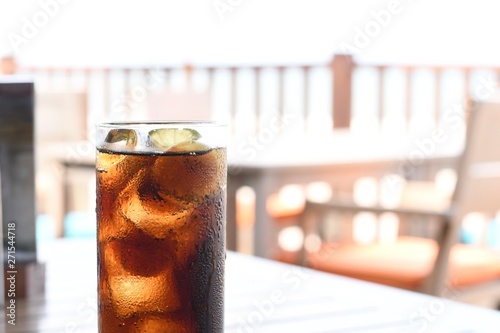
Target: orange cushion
471,265
405,263
278,209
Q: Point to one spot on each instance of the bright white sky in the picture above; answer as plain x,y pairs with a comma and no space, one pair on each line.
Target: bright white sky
146,32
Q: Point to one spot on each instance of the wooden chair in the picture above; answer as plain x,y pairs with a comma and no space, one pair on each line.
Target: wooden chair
434,266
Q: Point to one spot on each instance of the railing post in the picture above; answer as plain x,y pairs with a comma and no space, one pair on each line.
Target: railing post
342,66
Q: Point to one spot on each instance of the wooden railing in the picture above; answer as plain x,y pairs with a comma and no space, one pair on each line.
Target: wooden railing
86,79
340,83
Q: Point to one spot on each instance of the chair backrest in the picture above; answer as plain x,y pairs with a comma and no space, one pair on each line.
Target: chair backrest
478,183
478,186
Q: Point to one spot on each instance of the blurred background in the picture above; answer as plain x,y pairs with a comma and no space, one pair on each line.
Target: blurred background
377,91
245,32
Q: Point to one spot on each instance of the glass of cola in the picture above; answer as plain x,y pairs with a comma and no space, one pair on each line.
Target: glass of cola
161,195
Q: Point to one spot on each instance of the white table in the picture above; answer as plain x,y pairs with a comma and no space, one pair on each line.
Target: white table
338,160
261,296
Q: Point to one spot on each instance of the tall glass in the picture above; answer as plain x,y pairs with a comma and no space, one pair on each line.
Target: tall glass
161,226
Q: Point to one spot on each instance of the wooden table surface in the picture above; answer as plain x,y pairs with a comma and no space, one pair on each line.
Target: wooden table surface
261,296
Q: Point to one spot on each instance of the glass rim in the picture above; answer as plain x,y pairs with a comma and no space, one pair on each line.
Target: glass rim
211,133
147,123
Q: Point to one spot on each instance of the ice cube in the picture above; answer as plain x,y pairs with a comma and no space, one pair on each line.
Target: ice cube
122,136
154,291
190,176
106,161
112,225
157,324
116,171
138,294
154,213
112,265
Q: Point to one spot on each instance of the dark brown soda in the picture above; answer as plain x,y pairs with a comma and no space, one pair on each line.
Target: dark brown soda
161,241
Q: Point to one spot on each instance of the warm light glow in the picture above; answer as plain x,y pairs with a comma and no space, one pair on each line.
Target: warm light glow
289,201
446,180
364,228
312,243
245,219
391,188
291,238
388,228
319,192
291,196
245,207
365,191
